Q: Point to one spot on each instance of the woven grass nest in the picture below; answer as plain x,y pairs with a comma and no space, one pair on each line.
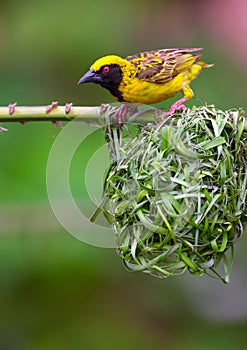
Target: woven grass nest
176,193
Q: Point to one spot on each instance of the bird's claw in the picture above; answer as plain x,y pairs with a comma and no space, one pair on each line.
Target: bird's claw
121,114
174,109
178,105
124,111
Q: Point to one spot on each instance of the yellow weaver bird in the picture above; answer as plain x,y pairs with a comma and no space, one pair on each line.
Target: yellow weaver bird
148,77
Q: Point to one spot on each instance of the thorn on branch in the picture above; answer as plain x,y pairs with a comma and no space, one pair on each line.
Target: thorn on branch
58,124
3,129
68,107
11,107
51,107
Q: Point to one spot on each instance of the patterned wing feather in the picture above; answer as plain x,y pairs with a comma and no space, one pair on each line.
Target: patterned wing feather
161,66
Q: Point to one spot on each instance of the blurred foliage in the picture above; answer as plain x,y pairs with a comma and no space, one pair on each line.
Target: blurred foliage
56,292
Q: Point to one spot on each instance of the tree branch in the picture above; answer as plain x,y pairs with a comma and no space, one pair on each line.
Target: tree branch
52,112
55,113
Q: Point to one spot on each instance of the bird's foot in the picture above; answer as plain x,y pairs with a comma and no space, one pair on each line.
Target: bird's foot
124,111
178,105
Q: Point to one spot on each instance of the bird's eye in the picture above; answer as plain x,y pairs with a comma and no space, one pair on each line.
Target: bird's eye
106,69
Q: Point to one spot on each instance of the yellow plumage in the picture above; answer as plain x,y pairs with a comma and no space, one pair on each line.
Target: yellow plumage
148,77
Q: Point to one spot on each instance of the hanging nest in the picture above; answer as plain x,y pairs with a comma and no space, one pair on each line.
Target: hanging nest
177,192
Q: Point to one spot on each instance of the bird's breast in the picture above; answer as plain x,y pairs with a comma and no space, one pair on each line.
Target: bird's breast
140,91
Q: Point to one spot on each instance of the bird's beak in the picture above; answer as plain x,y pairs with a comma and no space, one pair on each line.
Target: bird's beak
89,77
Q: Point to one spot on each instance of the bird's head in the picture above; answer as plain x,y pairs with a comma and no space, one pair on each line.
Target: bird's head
106,71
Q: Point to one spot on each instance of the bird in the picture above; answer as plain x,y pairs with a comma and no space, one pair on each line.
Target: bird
148,77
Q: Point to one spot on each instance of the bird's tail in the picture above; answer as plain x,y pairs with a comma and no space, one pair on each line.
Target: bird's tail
205,65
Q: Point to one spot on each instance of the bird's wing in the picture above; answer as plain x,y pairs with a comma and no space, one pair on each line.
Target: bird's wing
161,66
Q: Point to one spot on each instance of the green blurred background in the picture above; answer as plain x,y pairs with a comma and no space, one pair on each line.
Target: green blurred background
55,291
